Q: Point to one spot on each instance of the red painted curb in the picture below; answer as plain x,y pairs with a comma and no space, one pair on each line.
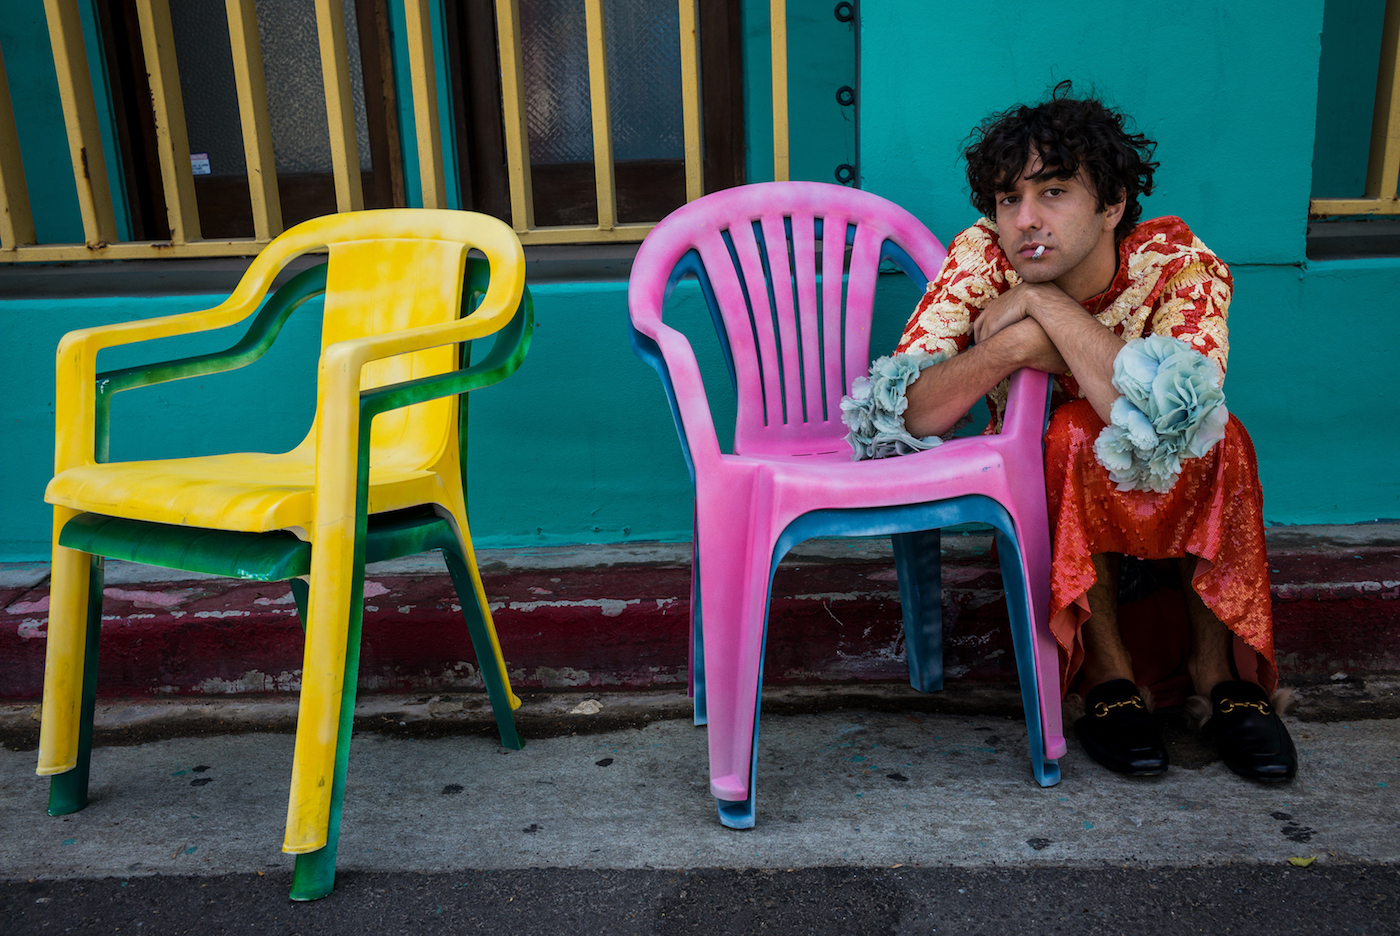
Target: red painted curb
626,628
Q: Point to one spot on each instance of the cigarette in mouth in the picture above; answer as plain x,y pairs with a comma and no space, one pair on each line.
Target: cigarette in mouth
1038,251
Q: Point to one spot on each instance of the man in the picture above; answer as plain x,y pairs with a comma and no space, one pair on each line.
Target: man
1059,276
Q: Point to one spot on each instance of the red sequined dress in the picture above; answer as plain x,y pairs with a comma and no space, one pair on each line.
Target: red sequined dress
1168,283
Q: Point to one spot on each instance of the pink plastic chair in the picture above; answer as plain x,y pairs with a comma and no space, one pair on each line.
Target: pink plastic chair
794,324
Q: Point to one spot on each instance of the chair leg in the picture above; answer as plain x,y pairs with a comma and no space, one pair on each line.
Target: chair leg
68,792
918,561
301,594
743,814
314,874
471,596
1023,636
735,596
697,634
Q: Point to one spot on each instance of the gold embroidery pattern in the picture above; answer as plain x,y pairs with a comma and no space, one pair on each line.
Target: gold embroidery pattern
968,280
1170,284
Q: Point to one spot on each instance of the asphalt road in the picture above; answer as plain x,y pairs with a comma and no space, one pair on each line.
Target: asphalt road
1230,899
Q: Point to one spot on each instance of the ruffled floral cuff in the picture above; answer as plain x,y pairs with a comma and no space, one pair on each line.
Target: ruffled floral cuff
874,412
1172,409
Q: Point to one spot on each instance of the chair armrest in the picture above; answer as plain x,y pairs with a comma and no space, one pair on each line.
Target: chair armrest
505,357
254,344
338,376
1027,404
76,376
670,354
342,449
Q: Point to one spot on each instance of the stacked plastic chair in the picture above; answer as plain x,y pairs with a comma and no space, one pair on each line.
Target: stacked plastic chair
789,272
378,476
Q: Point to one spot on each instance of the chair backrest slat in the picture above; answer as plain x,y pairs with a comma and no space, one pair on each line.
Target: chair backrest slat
809,318
384,285
834,307
864,269
764,373
795,311
780,289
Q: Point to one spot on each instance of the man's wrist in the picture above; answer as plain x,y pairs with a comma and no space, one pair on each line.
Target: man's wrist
1047,302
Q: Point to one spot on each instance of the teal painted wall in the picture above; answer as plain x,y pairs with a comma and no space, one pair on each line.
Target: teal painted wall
1346,96
579,446
39,121
1326,424
1231,95
1228,91
821,58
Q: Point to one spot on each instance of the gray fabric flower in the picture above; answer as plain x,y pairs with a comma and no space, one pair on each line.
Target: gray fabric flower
1172,408
874,410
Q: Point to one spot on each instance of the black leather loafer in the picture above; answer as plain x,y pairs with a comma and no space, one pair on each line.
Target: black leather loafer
1118,732
1249,734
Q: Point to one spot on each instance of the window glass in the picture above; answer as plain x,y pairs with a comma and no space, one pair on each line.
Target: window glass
644,80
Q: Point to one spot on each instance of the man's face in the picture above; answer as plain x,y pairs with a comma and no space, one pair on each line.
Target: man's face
1060,215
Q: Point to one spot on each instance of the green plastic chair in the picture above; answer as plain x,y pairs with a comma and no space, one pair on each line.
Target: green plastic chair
392,267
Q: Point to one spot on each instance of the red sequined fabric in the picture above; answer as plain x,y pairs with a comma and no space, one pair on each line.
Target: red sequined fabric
1214,512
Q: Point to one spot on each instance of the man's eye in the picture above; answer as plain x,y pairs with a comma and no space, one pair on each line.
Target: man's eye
1054,191
1007,200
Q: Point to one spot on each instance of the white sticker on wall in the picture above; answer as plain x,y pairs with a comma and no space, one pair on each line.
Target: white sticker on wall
199,163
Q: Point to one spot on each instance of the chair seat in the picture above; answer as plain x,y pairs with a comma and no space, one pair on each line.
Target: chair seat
808,482
249,492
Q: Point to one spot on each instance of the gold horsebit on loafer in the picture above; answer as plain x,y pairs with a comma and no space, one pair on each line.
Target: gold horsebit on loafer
1229,705
1101,709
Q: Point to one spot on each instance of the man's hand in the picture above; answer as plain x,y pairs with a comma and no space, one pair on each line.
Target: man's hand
948,389
1033,347
1030,325
1087,346
1003,311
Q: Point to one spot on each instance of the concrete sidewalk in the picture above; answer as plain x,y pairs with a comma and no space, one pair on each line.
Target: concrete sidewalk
850,786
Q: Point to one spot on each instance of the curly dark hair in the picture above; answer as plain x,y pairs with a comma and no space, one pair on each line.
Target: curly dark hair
1069,134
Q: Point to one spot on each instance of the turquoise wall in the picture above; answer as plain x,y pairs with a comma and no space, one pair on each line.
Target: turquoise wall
1313,377
1346,95
39,121
821,59
1230,92
579,446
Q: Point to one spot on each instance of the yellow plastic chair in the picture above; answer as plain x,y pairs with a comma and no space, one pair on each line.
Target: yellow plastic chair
379,475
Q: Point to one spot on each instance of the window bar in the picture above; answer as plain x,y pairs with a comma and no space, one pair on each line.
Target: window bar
690,99
425,103
80,118
16,221
778,18
522,200
1383,165
252,110
340,106
602,124
158,44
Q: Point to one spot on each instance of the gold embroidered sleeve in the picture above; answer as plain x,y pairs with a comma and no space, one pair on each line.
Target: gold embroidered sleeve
970,278
1194,307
